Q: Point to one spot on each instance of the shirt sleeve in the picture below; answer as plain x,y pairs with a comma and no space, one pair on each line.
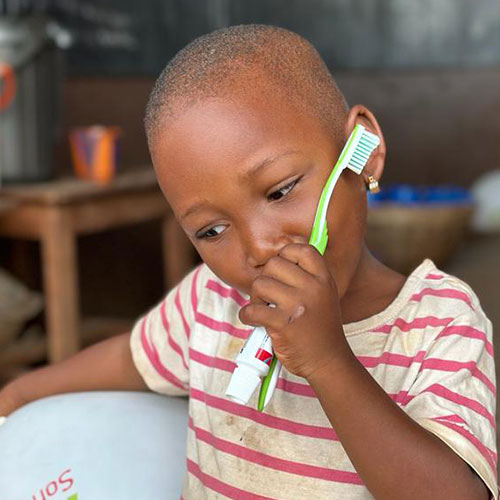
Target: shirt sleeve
160,339
454,393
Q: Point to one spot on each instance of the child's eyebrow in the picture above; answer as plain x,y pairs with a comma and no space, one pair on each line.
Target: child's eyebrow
245,176
193,208
257,168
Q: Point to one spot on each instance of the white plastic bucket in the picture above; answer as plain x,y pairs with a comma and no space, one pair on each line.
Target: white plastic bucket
95,446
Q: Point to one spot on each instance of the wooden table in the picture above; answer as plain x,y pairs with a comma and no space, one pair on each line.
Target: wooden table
6,206
55,213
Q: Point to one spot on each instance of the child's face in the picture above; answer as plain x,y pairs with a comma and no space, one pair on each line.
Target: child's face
244,177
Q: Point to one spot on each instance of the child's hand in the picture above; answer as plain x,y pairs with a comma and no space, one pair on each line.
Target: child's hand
305,326
9,401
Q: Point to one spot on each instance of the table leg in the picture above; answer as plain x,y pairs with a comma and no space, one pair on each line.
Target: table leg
60,285
179,253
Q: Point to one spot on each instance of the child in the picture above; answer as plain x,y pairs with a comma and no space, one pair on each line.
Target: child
388,383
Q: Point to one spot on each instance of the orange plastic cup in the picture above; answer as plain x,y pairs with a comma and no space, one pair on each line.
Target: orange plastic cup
94,152
7,85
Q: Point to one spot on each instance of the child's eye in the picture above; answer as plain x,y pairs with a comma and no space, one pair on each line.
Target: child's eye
281,192
210,233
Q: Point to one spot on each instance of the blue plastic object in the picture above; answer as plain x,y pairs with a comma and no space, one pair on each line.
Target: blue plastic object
407,194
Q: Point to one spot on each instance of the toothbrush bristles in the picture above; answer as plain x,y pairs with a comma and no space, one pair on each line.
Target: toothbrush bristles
363,150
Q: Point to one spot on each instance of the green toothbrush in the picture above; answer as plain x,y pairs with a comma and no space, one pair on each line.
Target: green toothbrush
354,156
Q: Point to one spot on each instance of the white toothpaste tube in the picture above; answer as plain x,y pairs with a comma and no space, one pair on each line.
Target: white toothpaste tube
252,364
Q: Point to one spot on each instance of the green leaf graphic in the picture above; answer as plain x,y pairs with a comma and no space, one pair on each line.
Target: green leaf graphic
73,497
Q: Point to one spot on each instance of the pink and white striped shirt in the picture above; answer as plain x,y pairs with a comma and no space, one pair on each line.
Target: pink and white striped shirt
430,350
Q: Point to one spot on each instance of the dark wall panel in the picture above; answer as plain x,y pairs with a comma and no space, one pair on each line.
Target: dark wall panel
387,33
128,37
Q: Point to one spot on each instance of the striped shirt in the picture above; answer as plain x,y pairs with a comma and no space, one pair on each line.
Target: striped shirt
430,350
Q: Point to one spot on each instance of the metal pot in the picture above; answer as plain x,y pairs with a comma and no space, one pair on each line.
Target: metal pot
30,83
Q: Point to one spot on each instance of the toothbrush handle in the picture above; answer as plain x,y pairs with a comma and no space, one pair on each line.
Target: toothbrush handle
266,384
272,383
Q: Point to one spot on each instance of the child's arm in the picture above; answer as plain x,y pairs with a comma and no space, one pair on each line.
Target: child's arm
106,365
395,456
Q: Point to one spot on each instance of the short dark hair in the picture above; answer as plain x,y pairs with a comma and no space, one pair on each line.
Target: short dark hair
218,63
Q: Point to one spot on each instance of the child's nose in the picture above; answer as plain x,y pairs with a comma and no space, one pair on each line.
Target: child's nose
261,247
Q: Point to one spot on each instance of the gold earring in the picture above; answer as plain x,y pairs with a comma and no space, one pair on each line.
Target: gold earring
373,185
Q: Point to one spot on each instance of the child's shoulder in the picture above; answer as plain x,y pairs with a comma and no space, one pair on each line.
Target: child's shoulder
430,298
438,283
441,292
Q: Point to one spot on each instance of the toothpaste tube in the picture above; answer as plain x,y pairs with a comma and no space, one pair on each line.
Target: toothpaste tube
252,364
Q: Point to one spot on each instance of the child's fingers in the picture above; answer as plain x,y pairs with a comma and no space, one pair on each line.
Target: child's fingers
262,315
286,271
267,290
306,256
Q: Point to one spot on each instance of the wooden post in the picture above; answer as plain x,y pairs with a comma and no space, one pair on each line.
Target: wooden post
60,284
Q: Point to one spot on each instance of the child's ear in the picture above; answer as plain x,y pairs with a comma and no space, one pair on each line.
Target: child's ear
362,115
